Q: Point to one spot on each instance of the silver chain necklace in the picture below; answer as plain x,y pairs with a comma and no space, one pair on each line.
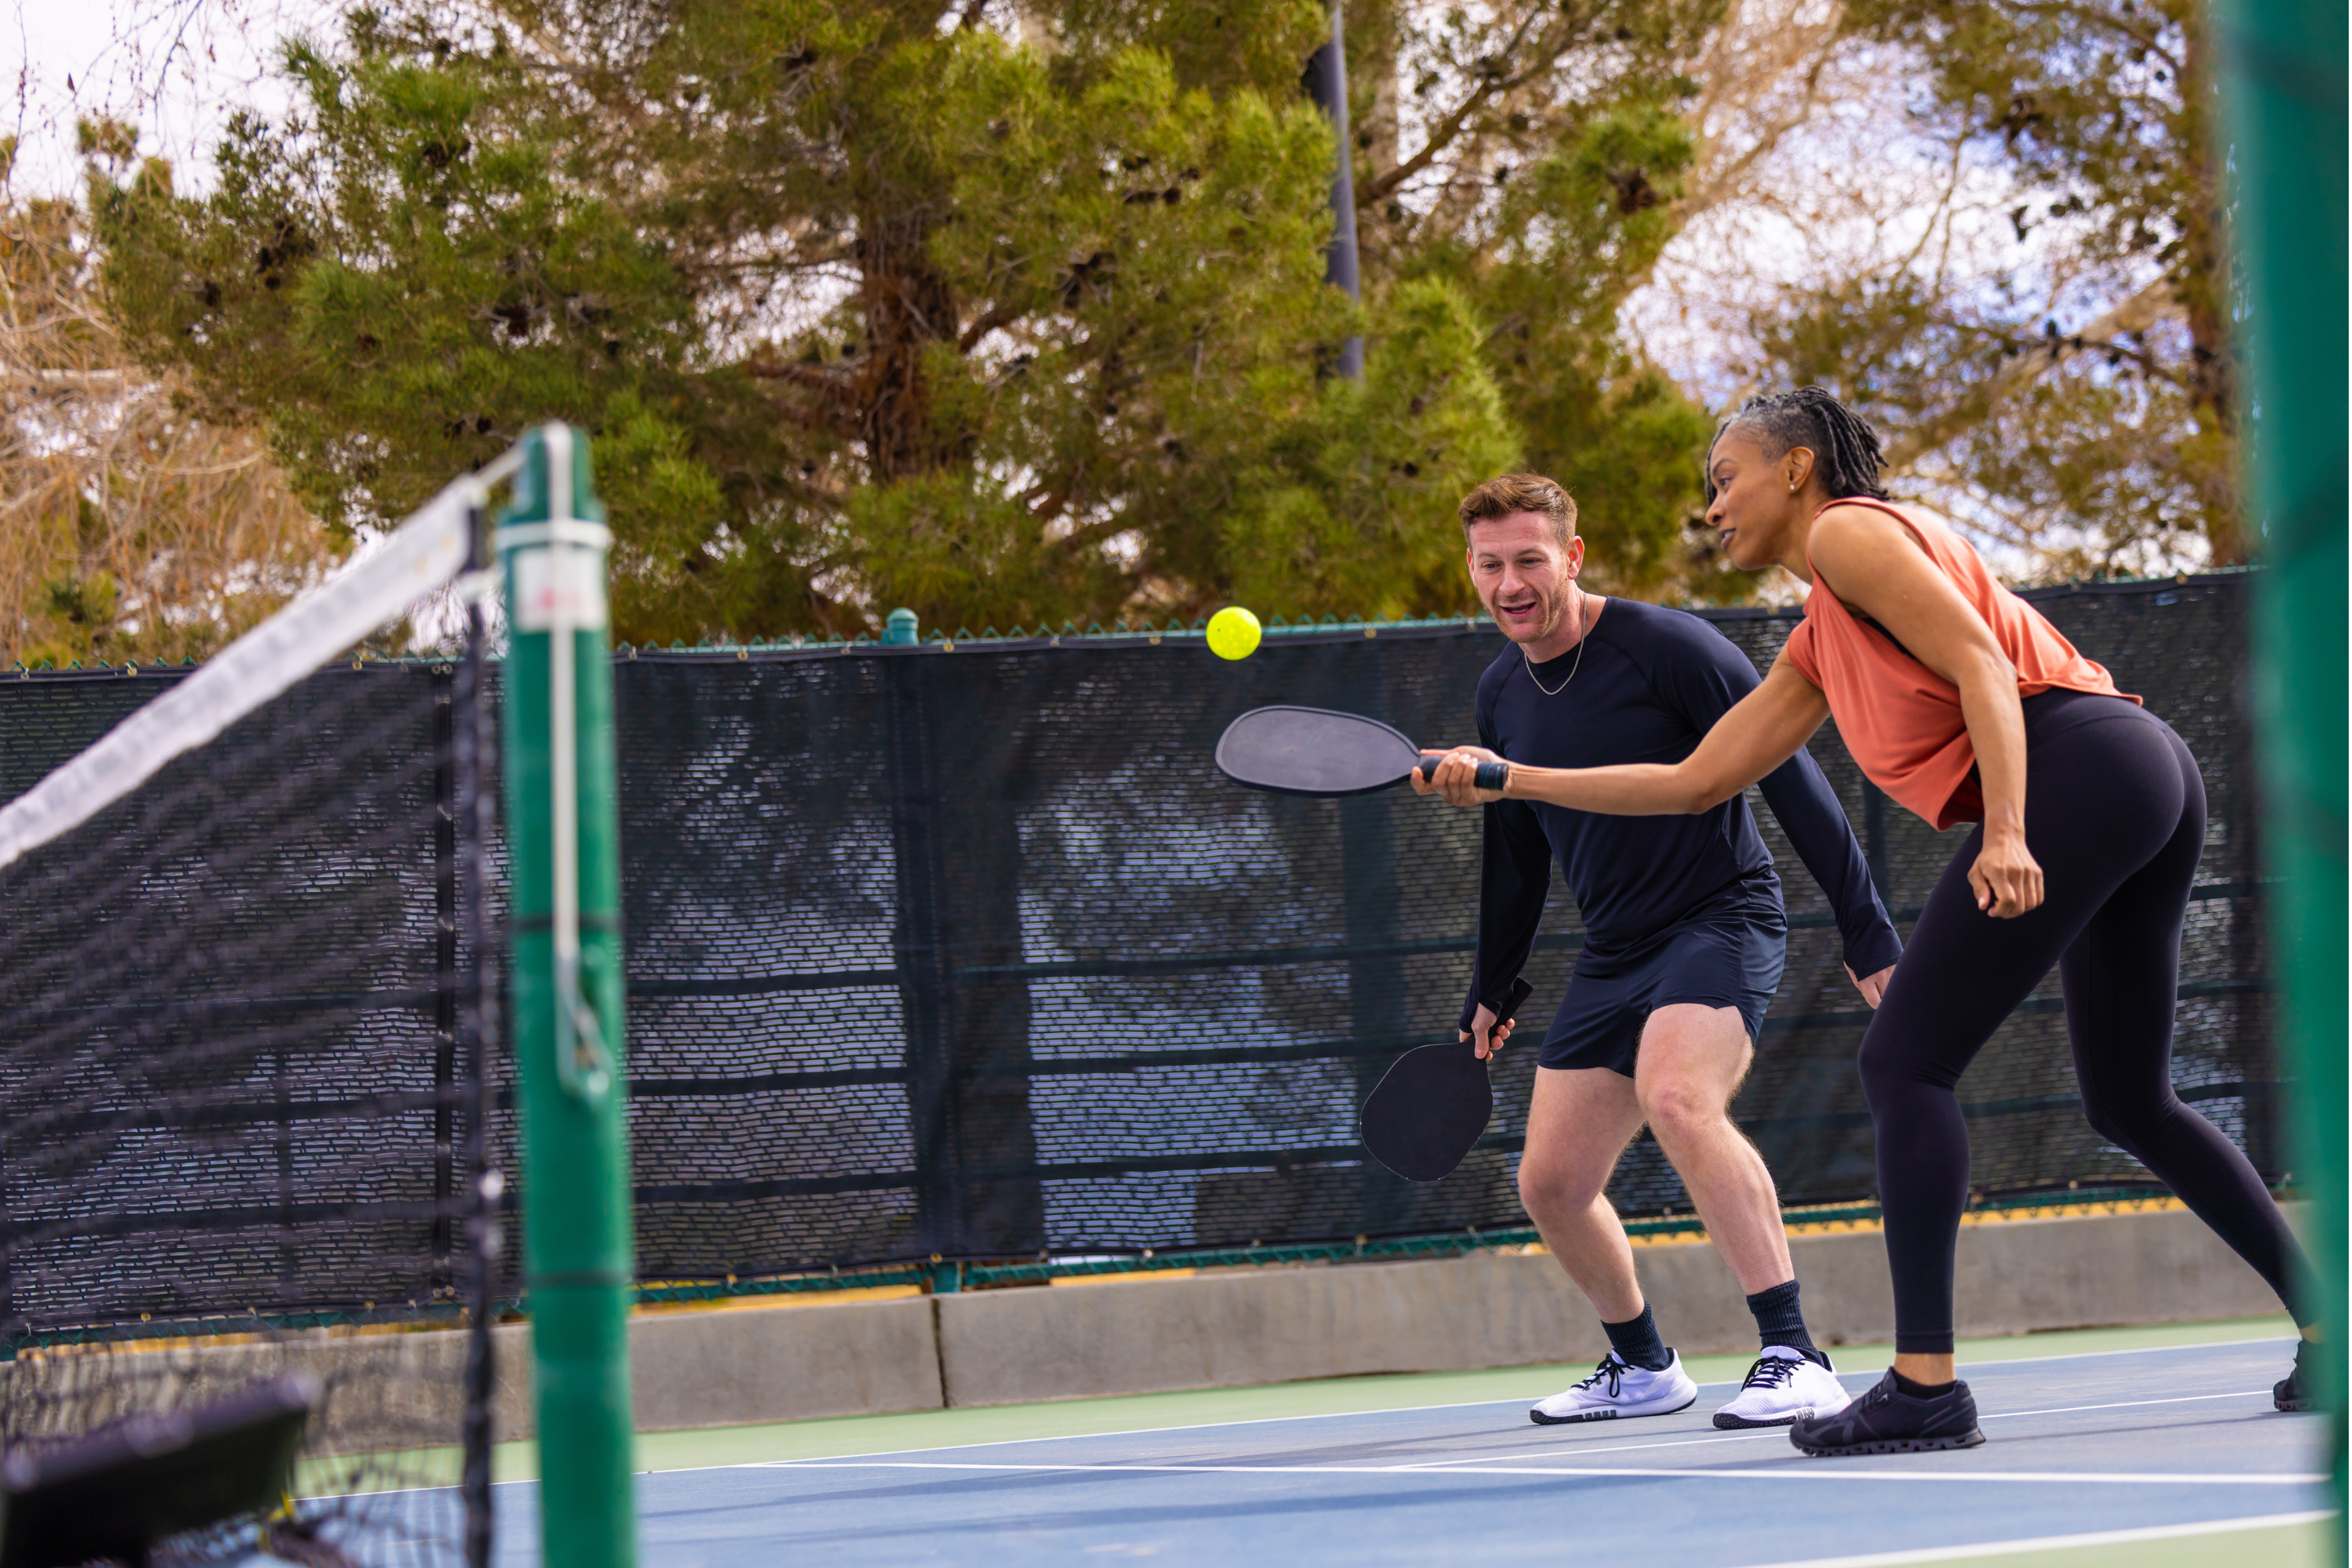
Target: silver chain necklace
1580,641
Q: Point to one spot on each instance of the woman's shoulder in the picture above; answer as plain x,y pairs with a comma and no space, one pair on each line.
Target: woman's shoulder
1863,517
1858,527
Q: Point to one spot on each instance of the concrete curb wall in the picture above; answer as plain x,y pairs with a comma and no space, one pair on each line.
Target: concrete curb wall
740,1367
1483,1310
746,1366
1270,1325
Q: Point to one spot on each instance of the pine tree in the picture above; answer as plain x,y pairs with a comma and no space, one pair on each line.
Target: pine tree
1540,176
1009,317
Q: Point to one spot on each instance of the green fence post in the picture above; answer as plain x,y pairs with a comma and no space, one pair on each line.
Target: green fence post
2283,83
563,838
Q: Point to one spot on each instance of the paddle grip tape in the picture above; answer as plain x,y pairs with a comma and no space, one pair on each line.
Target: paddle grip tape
1490,775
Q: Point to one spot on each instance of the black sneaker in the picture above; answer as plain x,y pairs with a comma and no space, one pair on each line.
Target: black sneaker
2287,1393
1887,1420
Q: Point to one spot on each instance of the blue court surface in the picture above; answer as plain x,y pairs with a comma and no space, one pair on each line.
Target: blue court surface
2141,1440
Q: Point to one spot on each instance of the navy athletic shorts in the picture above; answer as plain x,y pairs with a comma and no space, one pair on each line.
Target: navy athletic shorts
1716,961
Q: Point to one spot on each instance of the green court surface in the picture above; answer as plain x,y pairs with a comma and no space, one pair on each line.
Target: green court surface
2299,1544
912,1429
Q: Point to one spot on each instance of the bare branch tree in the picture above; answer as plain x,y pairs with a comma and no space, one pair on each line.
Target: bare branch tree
128,529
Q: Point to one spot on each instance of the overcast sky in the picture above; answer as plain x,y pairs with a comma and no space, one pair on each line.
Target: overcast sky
173,67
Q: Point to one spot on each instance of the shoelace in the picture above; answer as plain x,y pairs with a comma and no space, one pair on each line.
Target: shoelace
1771,1372
1611,1368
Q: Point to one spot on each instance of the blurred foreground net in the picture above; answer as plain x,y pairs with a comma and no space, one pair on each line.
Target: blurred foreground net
242,1032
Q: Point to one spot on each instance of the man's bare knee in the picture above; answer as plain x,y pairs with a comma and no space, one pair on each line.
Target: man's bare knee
1680,1111
1556,1186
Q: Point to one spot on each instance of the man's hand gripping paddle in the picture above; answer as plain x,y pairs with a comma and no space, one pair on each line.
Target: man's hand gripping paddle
1434,1103
1314,751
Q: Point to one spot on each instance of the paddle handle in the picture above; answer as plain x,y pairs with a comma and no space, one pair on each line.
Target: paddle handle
1490,775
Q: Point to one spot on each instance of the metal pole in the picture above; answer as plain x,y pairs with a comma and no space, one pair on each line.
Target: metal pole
2283,85
563,834
1326,85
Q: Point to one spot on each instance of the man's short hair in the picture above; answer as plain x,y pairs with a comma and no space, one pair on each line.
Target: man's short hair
1507,493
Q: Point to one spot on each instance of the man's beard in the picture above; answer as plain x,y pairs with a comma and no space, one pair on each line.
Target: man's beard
1554,614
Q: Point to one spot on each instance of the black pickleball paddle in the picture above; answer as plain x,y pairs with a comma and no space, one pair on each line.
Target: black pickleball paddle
1316,751
1429,1108
1433,1103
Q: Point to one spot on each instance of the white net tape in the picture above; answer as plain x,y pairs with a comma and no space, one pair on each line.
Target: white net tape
424,554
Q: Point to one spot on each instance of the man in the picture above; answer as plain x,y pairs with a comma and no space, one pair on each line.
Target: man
1684,939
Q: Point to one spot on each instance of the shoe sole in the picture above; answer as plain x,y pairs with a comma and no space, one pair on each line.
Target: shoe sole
1606,1413
1725,1421
2289,1406
1891,1446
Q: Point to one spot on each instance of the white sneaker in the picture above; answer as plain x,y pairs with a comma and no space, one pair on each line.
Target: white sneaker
1616,1389
1782,1386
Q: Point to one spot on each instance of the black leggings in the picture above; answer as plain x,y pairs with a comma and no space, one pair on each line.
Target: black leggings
2114,812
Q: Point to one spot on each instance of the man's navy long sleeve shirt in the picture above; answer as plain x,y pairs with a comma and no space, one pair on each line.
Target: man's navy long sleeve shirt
1650,683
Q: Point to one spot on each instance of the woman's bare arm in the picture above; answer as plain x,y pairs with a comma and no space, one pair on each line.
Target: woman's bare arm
1763,731
1872,562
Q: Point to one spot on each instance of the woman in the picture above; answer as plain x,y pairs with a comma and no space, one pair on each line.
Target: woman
1964,704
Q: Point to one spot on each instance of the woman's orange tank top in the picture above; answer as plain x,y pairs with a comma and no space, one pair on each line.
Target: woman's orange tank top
1901,719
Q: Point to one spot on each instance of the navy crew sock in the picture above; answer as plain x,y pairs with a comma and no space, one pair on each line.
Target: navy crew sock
1636,1341
1780,1321
1921,1390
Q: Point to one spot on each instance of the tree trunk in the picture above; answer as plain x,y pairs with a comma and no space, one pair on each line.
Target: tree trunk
908,305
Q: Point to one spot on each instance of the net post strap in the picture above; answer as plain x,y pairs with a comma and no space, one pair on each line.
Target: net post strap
425,551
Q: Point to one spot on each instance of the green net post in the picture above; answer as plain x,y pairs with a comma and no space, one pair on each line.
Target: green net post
2283,81
563,838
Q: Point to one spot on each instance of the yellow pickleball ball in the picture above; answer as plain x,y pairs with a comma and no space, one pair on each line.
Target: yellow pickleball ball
1233,633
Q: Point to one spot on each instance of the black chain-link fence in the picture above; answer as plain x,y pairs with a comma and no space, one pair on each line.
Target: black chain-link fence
233,1065
969,951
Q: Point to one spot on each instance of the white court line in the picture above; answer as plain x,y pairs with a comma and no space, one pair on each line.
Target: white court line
1783,1431
2061,1542
1557,1451
1401,1410
1791,1471
1580,1449
1128,1431
2124,1405
1430,1465
1408,1409
2138,1350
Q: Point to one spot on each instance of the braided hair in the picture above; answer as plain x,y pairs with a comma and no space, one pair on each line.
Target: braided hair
1845,449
